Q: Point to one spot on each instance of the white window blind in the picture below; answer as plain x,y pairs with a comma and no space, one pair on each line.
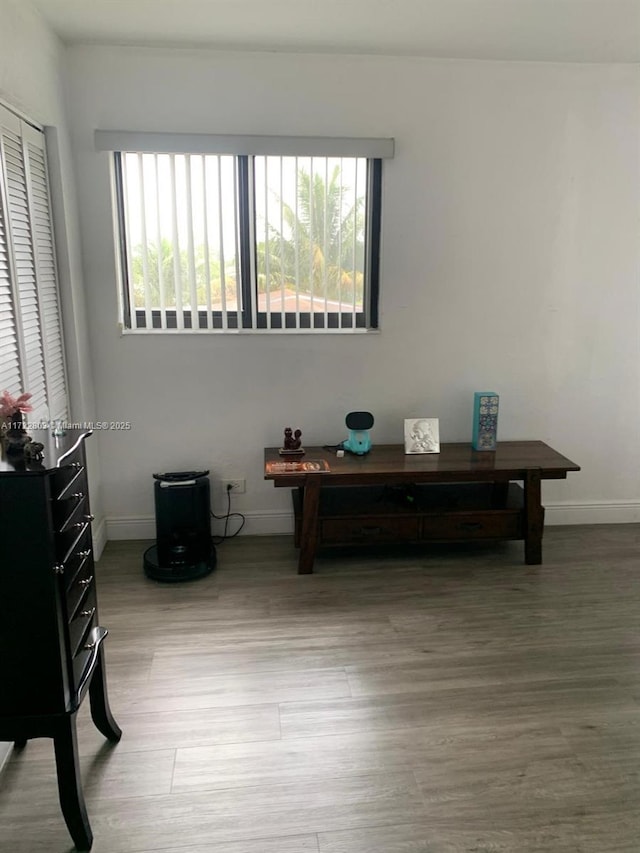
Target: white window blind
225,233
31,341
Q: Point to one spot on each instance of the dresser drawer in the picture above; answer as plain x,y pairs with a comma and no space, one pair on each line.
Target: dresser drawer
67,542
82,619
472,525
86,656
70,476
81,659
71,513
367,530
81,583
77,557
63,509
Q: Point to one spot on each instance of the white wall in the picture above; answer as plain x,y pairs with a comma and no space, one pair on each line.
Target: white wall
31,82
510,263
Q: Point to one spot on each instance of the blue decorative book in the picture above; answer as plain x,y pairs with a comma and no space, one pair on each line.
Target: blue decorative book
485,420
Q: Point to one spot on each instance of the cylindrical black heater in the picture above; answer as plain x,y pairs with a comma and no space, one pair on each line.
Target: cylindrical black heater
183,549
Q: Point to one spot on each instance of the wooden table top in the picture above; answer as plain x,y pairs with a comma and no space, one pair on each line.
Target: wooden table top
511,460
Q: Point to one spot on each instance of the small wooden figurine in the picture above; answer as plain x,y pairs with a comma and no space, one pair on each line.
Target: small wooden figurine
33,451
292,445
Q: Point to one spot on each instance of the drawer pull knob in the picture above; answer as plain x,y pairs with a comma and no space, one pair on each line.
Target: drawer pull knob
88,613
90,646
90,516
86,581
77,496
76,465
83,554
470,525
78,525
370,531
59,568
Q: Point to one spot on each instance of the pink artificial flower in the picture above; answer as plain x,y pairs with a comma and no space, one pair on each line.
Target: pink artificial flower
10,405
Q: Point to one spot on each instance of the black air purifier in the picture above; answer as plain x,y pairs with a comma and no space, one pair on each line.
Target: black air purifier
183,550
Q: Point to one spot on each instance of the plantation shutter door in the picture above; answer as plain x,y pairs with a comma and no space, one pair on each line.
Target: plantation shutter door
21,240
46,275
9,355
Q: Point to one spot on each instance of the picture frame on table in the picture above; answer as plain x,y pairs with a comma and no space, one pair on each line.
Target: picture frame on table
421,435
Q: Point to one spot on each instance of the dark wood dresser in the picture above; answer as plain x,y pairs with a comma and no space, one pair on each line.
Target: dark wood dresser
51,652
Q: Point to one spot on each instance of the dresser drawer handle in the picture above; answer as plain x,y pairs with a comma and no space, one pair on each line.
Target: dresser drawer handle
83,554
77,496
370,531
76,465
86,581
89,646
59,568
470,525
78,525
90,516
88,613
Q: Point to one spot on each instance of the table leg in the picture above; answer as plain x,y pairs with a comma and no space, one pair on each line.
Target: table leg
74,810
309,535
99,702
299,499
534,518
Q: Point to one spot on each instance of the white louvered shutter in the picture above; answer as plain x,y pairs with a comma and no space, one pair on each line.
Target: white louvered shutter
31,342
46,275
9,355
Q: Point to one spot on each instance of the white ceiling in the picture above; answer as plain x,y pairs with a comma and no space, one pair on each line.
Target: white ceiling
547,30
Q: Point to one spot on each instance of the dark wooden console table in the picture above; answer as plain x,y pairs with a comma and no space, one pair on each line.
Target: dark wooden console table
389,497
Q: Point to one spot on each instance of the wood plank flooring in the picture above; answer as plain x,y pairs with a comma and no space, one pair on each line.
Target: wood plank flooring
444,700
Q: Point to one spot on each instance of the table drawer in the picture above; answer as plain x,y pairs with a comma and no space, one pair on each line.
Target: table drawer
473,525
367,530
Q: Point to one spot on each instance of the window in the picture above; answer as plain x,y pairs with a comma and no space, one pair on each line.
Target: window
276,237
31,343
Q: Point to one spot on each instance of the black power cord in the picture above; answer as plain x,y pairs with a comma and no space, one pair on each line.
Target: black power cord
228,515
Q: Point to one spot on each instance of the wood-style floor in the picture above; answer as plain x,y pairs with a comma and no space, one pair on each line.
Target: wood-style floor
430,701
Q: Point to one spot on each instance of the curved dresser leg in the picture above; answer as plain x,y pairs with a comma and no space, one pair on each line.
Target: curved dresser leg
70,783
99,702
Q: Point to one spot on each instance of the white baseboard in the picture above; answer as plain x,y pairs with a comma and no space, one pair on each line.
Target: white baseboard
267,523
607,513
261,523
131,527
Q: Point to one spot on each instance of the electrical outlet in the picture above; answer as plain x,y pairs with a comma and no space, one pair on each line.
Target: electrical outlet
239,485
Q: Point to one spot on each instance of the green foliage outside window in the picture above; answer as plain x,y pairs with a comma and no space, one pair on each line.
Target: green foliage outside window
319,250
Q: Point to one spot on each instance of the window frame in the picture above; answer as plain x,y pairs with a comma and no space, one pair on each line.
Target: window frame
247,317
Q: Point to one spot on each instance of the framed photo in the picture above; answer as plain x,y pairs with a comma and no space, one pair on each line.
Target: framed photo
421,435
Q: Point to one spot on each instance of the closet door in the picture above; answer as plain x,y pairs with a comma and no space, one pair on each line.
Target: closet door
30,321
